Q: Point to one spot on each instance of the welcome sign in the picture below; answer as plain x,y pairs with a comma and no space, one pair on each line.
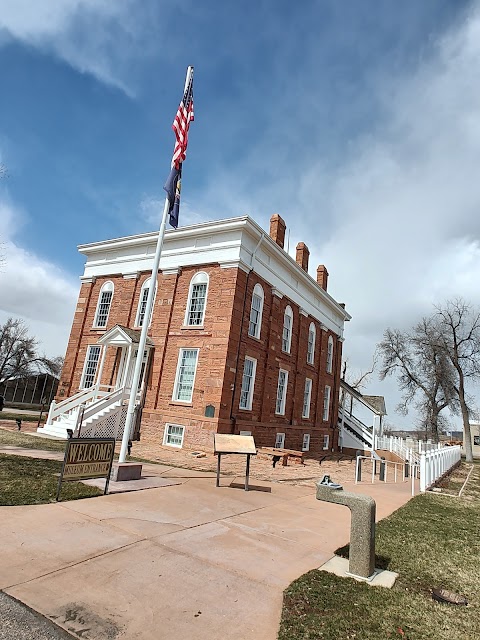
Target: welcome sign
87,458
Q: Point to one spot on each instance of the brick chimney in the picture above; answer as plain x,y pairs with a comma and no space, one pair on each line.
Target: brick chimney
302,256
277,229
322,276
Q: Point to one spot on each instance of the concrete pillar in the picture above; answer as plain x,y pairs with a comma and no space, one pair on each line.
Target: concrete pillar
362,529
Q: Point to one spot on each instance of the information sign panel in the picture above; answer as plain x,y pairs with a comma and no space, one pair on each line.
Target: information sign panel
87,458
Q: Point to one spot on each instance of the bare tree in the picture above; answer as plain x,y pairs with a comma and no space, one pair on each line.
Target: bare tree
423,372
19,355
458,334
357,379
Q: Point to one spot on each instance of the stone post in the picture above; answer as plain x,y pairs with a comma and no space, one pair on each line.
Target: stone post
362,530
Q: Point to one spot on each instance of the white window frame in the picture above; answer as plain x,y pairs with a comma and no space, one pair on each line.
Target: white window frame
108,288
178,382
306,442
326,442
280,440
326,402
248,385
312,336
281,393
287,329
140,317
200,278
90,348
307,398
167,434
255,325
330,355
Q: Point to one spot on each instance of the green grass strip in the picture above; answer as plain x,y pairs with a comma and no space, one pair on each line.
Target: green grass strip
18,439
32,481
433,541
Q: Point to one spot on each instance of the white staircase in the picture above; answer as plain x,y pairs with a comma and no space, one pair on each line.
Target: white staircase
96,411
355,434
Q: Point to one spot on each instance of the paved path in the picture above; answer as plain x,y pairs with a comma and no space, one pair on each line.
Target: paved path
187,560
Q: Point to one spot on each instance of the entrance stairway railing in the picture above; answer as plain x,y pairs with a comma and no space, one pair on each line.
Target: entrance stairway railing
98,410
356,428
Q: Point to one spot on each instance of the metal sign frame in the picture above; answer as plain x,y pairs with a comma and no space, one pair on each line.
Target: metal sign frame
86,475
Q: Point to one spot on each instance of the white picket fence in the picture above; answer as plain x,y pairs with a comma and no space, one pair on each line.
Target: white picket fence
435,463
431,460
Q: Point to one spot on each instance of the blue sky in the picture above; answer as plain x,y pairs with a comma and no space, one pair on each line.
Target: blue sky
360,120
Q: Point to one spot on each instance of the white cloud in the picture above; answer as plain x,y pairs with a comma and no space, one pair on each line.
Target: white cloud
34,289
151,211
407,228
93,36
397,222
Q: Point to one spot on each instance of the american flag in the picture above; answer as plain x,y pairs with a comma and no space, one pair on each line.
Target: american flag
181,124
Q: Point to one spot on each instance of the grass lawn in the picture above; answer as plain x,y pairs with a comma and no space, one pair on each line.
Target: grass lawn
32,481
24,417
433,541
19,439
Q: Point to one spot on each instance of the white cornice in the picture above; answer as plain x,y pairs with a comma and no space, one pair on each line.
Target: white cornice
234,242
236,264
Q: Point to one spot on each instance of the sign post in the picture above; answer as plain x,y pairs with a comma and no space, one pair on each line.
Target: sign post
87,458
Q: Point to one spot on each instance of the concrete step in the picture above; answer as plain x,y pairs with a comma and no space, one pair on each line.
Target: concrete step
55,429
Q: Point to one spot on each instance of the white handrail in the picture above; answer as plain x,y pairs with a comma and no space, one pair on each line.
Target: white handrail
398,446
412,471
356,424
103,402
71,404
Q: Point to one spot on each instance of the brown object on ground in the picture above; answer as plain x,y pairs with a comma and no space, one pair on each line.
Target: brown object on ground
284,454
443,595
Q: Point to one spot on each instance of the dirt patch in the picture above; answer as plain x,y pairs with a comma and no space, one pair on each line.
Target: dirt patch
261,467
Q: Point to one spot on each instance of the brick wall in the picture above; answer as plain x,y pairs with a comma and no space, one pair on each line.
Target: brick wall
223,344
262,420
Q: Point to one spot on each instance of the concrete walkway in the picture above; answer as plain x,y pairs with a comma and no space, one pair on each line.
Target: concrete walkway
187,560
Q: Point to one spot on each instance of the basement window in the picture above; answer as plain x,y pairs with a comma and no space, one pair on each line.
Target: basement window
173,435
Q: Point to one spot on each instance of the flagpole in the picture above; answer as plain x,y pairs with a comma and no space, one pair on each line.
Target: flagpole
146,320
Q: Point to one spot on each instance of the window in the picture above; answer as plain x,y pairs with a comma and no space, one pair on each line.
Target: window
330,355
103,306
281,392
311,344
280,441
255,324
248,382
197,300
173,435
90,368
287,330
142,304
186,369
326,440
306,442
307,395
326,403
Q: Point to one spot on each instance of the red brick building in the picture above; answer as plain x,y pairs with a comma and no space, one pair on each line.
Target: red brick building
242,339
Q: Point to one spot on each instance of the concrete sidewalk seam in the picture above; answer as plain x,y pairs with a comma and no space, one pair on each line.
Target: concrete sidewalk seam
210,563
73,564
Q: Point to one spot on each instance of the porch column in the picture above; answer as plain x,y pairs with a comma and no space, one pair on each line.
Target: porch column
127,366
102,362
